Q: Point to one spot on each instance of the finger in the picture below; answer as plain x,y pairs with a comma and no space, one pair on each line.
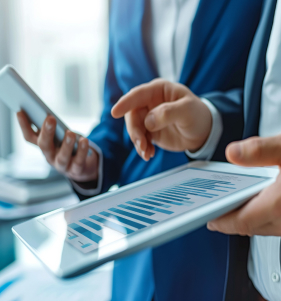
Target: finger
138,97
261,210
64,155
46,139
255,151
28,133
150,150
78,162
148,95
164,115
136,129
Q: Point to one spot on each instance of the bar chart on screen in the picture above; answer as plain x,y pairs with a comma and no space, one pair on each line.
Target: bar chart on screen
120,216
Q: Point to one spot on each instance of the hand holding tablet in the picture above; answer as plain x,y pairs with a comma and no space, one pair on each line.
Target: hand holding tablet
261,215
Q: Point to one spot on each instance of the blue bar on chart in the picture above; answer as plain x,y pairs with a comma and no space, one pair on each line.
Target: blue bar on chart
164,201
192,193
169,196
196,190
183,199
209,184
123,220
136,210
90,224
151,208
112,225
206,187
92,236
190,190
175,192
85,246
152,203
182,186
134,216
72,237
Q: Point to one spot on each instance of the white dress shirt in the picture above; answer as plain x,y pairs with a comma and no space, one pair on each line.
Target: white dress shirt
171,29
264,260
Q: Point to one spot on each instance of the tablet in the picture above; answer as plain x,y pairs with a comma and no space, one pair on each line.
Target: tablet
144,214
17,95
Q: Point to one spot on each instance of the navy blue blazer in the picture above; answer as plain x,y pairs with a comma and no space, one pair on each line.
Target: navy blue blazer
195,266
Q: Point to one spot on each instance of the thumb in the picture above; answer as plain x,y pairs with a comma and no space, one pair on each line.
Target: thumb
255,151
163,115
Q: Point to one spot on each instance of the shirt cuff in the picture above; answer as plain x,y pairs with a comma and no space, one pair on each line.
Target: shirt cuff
207,150
264,266
91,191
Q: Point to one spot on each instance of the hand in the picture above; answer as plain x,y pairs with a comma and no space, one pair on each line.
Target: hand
81,167
166,114
262,214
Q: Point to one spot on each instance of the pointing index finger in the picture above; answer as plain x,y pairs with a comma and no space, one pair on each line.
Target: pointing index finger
150,95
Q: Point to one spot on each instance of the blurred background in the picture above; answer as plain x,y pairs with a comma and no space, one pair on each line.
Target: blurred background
60,48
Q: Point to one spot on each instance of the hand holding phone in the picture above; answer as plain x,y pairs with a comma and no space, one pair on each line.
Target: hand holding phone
68,152
81,167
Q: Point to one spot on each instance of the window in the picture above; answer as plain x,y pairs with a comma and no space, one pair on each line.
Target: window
60,48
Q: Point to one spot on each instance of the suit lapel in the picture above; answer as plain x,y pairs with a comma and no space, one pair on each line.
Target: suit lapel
256,69
208,12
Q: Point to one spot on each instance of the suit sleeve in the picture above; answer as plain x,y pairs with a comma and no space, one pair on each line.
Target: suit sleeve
108,135
230,106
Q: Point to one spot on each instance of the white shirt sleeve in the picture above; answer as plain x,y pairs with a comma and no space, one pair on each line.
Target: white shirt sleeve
264,266
96,190
207,150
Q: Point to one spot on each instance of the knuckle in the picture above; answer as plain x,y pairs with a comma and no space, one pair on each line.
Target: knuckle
165,111
79,161
76,169
61,162
256,147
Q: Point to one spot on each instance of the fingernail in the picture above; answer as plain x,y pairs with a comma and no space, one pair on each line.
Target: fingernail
150,121
138,143
68,139
143,154
90,152
83,145
236,150
49,126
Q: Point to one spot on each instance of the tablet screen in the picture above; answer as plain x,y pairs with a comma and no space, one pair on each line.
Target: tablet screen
108,220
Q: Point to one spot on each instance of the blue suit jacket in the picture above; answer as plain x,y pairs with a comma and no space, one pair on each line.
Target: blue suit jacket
193,267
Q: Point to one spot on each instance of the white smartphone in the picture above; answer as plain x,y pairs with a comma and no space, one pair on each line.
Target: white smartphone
17,95
144,214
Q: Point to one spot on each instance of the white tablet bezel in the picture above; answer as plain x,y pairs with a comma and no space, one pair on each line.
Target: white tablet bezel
45,244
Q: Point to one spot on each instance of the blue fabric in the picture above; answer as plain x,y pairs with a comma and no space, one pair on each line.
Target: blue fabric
193,267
